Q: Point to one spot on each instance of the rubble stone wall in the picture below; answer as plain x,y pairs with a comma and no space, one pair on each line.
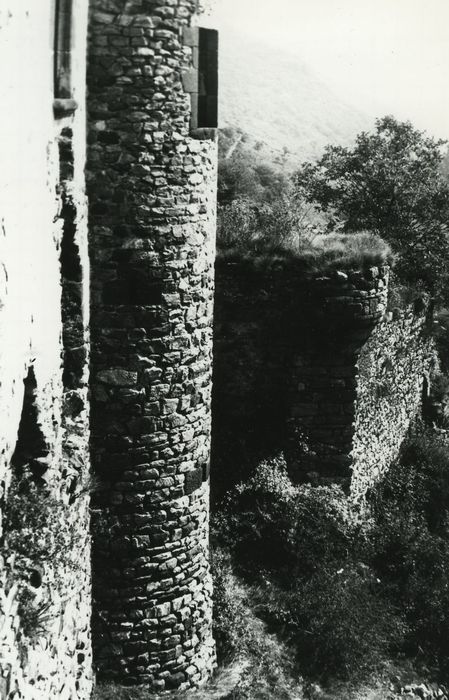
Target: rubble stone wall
297,359
45,606
152,186
393,378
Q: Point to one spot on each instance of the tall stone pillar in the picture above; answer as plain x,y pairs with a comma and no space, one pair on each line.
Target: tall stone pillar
152,187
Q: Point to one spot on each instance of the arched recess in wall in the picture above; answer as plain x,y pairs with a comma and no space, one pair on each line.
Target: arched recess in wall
30,458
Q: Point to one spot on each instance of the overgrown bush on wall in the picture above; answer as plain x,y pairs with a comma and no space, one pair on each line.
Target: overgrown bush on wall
38,549
258,208
389,183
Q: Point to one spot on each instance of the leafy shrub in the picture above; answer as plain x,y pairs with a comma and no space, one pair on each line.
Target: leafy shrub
272,672
246,171
343,625
324,528
427,599
258,514
441,335
338,620
299,548
230,627
414,566
270,669
437,404
283,528
410,541
28,512
236,224
250,227
417,487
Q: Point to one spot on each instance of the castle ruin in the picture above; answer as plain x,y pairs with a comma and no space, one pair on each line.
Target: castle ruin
106,297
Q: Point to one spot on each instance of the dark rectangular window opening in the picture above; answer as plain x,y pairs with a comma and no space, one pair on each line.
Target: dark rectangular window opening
63,49
208,79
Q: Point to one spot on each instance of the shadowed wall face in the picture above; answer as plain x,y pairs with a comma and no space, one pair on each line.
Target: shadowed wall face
152,183
298,361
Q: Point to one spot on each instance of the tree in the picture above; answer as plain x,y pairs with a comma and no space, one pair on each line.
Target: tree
390,183
255,227
257,206
246,171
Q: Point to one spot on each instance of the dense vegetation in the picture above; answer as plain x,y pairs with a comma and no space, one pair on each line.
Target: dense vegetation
335,594
343,593
389,183
257,206
305,589
393,184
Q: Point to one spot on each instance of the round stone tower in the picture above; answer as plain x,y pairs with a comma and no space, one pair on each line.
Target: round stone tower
152,186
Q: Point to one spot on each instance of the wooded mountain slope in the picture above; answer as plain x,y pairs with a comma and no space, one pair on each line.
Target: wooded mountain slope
275,97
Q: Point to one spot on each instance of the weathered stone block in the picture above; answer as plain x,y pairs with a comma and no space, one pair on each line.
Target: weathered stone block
190,81
117,377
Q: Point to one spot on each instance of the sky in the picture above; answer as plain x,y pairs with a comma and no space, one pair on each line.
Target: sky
384,56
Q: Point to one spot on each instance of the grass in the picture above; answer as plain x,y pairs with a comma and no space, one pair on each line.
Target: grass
344,250
317,253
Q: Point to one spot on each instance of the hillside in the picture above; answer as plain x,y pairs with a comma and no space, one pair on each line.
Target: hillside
273,96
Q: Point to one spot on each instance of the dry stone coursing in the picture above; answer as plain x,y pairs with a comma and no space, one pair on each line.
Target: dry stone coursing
152,222
55,660
425,691
347,306
258,324
296,360
394,369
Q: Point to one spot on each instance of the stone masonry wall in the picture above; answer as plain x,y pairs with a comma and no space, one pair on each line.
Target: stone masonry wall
45,605
152,222
258,324
394,369
348,307
295,355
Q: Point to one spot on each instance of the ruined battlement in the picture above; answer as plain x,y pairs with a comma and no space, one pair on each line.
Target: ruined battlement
298,359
